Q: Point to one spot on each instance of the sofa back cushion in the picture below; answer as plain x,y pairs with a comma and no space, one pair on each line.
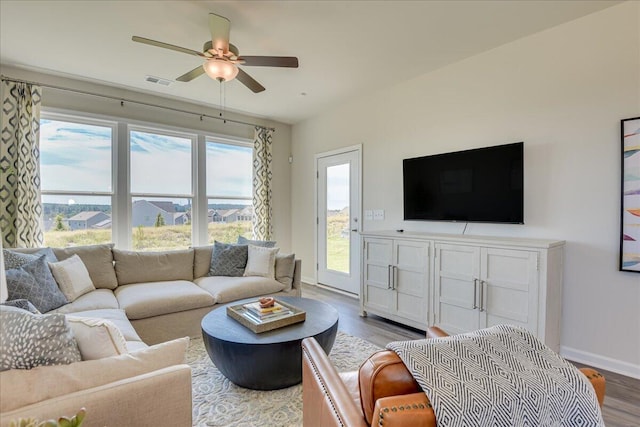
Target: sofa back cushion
383,374
98,260
140,267
201,260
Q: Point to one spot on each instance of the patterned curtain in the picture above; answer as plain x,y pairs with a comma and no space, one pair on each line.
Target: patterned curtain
262,227
20,204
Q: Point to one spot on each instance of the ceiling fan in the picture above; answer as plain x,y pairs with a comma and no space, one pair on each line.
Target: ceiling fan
222,58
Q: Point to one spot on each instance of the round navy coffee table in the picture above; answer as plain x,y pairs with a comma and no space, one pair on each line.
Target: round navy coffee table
270,360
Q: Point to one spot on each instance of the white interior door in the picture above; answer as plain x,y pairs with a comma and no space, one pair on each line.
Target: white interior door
338,219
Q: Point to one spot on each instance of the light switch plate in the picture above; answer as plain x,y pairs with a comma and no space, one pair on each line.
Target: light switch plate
368,215
378,215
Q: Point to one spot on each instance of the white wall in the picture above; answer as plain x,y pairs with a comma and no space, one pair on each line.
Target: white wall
53,98
563,92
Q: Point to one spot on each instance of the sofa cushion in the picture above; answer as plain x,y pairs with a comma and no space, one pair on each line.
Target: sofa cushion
285,268
228,259
139,267
261,261
201,260
22,388
34,282
225,289
119,318
97,338
98,260
72,277
15,258
94,300
29,340
142,300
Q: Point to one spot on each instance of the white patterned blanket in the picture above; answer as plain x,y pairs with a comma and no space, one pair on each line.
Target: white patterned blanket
499,376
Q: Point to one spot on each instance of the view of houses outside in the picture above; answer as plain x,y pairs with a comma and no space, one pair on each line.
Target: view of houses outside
156,225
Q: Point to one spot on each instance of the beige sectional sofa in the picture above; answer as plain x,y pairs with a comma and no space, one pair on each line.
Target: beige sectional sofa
152,298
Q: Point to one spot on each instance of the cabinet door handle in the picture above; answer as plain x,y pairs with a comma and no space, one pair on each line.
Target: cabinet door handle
475,293
389,278
482,295
395,277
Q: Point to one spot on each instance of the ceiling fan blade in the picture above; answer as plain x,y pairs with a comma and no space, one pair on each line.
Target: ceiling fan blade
249,81
167,46
270,61
187,77
219,27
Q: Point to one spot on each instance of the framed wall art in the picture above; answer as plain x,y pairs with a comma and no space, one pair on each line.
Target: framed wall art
630,215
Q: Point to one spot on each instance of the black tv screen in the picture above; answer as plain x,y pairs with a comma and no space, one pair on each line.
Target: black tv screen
479,185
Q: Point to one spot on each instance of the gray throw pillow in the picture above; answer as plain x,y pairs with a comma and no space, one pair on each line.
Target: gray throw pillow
34,282
228,259
29,340
14,259
264,243
22,304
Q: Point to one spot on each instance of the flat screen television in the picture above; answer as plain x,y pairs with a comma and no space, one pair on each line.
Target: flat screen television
479,185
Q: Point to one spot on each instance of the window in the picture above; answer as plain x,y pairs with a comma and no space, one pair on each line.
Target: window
77,180
161,195
229,190
141,191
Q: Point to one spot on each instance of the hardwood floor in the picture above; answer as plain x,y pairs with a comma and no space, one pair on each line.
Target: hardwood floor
622,400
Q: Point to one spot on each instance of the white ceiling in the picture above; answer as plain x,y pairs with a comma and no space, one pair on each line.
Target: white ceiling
345,48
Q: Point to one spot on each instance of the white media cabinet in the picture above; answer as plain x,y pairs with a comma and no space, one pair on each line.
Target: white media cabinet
462,283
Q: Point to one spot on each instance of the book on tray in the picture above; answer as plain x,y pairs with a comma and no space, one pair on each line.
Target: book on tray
266,313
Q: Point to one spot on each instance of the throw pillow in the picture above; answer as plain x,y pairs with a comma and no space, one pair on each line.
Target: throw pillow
97,338
264,243
17,258
34,282
22,304
261,261
29,340
285,267
228,259
72,277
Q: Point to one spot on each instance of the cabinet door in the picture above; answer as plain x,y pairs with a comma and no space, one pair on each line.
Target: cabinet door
376,274
456,271
510,288
410,273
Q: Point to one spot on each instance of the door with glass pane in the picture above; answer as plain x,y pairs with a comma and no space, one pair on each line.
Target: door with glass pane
338,220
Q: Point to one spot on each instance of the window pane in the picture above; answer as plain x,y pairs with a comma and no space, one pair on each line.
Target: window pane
228,219
161,223
160,164
75,156
338,235
229,170
76,220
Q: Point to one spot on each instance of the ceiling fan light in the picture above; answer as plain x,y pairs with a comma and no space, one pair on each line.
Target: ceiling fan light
220,69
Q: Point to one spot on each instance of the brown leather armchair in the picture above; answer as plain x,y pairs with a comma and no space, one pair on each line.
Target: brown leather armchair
382,392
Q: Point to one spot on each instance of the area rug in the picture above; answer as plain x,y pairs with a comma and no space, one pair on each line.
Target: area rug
219,402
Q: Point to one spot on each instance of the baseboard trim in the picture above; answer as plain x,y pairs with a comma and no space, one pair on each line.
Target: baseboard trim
601,362
309,280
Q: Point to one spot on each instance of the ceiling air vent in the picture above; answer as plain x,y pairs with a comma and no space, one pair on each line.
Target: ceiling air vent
158,80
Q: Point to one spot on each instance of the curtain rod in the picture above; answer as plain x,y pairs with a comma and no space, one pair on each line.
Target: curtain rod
131,101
